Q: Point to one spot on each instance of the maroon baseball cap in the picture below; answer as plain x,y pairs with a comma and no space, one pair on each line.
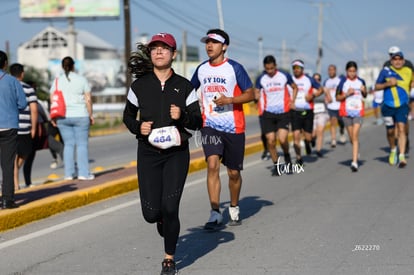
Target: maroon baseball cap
165,38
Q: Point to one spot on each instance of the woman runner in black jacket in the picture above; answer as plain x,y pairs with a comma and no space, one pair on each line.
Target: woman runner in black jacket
167,104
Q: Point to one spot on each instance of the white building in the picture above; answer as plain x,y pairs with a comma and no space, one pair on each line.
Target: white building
52,44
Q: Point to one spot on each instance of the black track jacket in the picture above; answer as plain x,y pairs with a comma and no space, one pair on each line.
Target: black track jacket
153,104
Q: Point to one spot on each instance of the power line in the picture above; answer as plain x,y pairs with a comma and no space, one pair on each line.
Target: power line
173,11
342,27
156,15
240,45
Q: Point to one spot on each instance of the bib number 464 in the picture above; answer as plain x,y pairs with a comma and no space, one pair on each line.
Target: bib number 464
162,139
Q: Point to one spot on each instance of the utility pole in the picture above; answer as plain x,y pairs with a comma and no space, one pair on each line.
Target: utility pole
320,26
285,58
220,14
365,58
285,52
260,40
184,54
127,46
72,38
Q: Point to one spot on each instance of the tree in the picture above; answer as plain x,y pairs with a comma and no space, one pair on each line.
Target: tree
38,79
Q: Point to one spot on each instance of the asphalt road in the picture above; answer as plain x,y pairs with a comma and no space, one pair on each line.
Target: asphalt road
323,220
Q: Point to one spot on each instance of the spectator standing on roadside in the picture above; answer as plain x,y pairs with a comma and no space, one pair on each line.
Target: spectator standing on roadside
329,87
168,104
224,85
12,100
277,102
39,142
74,127
53,137
350,92
396,81
27,125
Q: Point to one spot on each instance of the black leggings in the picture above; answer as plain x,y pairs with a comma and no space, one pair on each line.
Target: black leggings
161,178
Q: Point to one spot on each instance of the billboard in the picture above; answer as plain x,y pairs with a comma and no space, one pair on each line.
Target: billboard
38,9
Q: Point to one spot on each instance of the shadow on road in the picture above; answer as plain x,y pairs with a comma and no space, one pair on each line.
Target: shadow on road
199,242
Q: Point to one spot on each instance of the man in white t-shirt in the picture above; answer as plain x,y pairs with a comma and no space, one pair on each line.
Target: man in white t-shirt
329,87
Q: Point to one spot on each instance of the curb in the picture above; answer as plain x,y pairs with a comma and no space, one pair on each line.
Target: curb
47,207
43,208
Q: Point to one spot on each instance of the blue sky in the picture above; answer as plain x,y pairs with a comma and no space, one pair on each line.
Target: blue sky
360,30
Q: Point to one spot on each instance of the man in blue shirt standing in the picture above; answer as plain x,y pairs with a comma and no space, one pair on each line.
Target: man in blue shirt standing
13,99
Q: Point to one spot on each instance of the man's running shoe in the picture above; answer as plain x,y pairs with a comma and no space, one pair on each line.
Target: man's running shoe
299,161
319,154
265,155
392,159
214,221
234,216
275,171
354,167
402,162
287,158
333,143
168,267
288,164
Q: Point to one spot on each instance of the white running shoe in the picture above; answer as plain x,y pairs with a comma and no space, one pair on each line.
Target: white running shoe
214,221
354,167
234,216
57,163
342,139
89,177
53,165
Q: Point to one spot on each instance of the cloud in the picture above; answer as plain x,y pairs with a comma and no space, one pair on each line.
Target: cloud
347,47
397,33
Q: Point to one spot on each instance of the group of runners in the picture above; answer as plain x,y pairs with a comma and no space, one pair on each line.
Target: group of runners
169,104
303,105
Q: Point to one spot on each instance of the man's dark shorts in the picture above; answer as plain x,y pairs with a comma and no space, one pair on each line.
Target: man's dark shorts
302,120
24,145
273,122
230,147
393,115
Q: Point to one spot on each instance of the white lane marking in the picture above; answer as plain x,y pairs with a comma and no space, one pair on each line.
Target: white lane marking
66,224
94,215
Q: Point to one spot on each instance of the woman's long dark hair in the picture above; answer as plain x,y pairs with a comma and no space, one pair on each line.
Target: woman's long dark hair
140,62
68,65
